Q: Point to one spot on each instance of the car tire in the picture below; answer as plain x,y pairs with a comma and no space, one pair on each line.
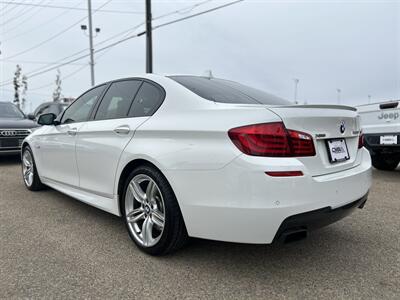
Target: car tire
149,202
29,171
386,163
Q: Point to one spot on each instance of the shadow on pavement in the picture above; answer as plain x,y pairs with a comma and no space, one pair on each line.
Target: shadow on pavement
10,160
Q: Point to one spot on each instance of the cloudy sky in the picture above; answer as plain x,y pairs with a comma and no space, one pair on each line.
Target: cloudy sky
351,45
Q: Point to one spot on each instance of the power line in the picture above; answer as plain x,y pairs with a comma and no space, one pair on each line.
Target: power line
56,17
188,8
179,11
197,14
5,6
84,66
25,19
47,65
63,78
33,62
54,36
30,75
71,8
182,10
140,34
10,9
19,14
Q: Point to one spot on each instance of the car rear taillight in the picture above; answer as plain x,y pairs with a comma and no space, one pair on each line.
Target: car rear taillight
361,141
272,139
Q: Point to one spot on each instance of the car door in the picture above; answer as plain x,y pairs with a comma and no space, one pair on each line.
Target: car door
57,144
100,143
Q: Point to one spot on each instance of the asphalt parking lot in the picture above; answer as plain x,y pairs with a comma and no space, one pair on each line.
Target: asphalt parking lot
55,247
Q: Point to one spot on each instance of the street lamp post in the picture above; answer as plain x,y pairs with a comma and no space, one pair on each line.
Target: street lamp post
91,42
90,35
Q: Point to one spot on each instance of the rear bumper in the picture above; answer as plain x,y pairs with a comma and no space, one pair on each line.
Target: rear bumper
240,203
372,143
4,152
315,219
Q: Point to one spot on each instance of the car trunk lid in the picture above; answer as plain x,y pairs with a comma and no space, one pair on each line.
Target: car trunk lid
324,123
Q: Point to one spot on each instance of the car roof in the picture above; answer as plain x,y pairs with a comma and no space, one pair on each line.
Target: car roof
52,102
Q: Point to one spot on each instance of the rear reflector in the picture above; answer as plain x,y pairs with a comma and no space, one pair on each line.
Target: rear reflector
284,173
273,140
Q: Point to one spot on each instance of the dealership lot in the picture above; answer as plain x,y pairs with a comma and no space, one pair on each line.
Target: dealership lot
54,246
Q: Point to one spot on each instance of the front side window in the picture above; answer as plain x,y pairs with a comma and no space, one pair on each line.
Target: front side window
117,100
147,101
79,111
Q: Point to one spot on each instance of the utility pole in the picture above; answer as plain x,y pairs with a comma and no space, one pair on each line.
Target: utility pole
91,42
369,99
149,43
296,83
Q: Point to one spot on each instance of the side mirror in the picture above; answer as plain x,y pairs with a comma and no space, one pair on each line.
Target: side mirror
47,119
31,116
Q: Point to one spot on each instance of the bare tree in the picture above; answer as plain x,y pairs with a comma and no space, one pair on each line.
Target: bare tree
17,85
57,90
24,83
20,82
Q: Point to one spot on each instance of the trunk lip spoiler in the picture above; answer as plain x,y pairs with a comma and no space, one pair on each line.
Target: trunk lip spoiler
328,106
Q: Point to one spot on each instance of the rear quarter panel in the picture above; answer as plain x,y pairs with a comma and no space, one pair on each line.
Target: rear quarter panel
190,133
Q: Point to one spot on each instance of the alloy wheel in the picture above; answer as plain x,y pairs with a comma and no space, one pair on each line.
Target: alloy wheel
145,210
27,168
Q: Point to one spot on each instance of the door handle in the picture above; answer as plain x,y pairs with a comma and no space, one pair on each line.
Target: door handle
72,131
122,129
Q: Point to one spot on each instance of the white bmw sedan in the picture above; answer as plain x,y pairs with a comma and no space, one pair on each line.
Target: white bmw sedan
187,156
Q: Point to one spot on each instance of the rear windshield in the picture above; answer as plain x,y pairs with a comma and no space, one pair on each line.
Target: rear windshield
225,91
9,110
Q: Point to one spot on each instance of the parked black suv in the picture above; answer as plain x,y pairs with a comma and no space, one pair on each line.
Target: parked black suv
14,127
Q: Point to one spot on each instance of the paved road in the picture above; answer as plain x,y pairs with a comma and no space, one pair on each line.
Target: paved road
55,247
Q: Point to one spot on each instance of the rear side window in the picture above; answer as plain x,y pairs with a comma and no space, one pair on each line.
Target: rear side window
147,100
225,91
118,100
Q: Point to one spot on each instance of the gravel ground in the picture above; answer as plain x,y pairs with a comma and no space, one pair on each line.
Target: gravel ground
55,247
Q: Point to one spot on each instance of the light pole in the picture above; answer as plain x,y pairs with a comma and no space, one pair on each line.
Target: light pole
296,83
339,91
369,99
91,49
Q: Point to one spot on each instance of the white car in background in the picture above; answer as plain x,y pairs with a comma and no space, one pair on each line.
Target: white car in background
381,128
184,156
